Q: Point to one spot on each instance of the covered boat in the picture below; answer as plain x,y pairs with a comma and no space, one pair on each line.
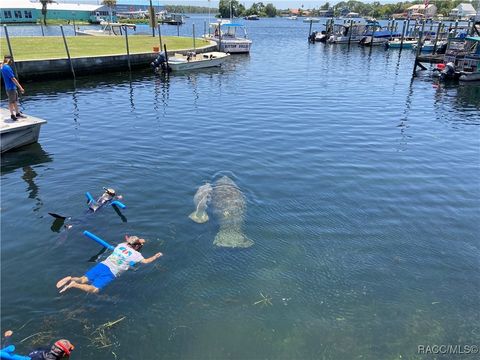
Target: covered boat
225,35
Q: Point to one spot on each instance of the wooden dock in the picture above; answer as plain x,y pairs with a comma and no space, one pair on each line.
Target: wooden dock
23,131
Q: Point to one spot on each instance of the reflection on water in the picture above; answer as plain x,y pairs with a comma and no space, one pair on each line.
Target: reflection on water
362,193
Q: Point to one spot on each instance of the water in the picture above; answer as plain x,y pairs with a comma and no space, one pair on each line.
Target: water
362,199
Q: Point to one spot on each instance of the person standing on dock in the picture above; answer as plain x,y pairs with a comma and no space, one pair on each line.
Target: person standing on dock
11,85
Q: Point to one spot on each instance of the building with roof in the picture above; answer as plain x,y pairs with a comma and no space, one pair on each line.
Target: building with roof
25,11
422,11
463,11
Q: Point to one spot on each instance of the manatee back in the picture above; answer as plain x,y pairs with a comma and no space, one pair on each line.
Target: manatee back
227,200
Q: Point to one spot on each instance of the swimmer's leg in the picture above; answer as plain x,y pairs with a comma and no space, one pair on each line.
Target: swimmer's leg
84,287
68,279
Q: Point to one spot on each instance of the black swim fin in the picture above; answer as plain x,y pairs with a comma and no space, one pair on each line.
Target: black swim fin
56,216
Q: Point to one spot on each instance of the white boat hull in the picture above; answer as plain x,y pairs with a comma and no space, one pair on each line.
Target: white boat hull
14,134
344,39
233,46
200,61
470,76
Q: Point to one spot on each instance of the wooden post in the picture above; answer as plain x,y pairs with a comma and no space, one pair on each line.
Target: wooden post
166,57
178,29
350,32
10,50
407,32
403,34
41,27
204,28
128,49
193,31
419,49
310,29
160,37
436,38
68,52
455,29
219,38
74,28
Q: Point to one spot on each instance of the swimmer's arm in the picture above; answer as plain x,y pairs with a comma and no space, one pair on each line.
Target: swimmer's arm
151,258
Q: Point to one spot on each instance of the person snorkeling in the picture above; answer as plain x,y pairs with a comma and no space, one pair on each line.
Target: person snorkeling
124,256
109,196
61,349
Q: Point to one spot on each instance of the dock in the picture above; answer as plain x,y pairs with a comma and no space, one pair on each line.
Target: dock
14,134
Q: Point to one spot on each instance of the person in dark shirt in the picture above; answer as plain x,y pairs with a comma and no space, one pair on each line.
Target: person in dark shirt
61,349
11,85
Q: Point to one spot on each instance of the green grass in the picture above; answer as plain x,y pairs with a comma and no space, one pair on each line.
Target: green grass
35,48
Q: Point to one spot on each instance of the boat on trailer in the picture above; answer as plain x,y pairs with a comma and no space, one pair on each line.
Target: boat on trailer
108,29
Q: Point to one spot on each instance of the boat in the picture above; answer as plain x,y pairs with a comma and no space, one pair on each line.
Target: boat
376,35
109,29
225,34
293,17
461,60
429,45
311,20
396,43
14,134
189,61
252,17
345,33
171,19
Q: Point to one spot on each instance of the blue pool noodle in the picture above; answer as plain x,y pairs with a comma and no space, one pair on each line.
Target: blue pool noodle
98,240
119,204
7,354
89,197
103,243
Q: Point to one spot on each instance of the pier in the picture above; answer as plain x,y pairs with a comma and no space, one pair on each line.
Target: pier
14,134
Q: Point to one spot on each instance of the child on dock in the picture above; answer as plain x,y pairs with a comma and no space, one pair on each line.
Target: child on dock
11,85
123,257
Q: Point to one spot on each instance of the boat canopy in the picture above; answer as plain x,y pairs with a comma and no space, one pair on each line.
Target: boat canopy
473,38
232,25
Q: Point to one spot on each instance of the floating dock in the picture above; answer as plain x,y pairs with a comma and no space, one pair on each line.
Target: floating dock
17,133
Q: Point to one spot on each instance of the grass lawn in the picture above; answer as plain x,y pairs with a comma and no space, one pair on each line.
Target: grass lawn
37,47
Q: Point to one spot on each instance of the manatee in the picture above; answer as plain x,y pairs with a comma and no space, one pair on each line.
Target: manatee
201,199
228,204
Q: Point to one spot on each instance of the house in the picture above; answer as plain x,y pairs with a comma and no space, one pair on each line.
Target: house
422,11
326,13
25,11
18,11
463,11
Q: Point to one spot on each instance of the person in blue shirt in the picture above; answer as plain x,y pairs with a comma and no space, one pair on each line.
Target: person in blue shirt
11,85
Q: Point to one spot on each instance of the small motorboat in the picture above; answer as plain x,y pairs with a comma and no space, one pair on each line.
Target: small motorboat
189,61
310,19
396,43
109,29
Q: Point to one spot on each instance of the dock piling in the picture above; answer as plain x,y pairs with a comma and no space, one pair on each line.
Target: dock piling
436,37
193,32
419,49
403,34
160,37
68,52
128,49
350,32
41,27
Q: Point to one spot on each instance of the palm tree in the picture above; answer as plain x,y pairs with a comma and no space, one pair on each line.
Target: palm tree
111,4
44,9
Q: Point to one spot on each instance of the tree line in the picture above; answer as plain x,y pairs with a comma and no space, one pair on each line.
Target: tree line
234,8
378,10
